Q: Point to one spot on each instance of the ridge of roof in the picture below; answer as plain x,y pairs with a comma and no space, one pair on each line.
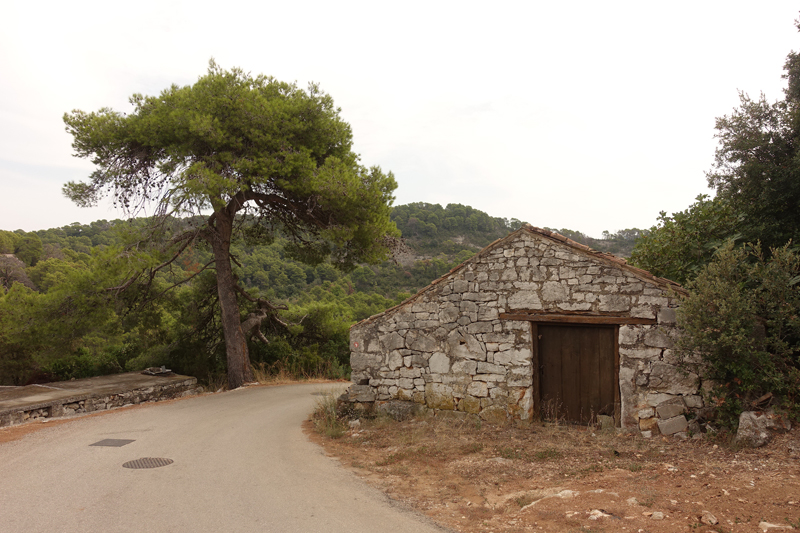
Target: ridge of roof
603,256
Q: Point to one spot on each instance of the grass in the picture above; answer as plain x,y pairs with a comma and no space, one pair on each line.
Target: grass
326,419
524,500
547,453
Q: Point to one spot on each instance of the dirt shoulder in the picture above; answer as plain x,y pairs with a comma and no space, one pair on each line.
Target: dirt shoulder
563,478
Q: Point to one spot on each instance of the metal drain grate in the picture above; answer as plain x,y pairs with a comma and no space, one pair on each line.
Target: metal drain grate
116,443
148,462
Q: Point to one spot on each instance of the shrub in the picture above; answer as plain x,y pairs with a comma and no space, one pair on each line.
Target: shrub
742,318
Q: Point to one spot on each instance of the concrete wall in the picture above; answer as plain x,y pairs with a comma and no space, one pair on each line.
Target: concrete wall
448,349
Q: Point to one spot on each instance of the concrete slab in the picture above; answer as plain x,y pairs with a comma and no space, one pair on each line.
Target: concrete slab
18,404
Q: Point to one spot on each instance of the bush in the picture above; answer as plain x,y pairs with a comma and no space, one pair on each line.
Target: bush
82,364
742,318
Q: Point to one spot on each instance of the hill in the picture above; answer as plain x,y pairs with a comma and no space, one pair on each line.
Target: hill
73,269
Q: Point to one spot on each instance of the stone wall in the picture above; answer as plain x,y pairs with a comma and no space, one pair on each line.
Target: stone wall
448,349
87,403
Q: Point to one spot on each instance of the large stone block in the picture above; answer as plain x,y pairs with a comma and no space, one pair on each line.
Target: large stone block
439,363
524,300
480,327
614,303
439,396
653,300
513,357
392,341
361,393
421,342
640,353
756,427
642,311
655,399
629,334
449,314
465,346
658,338
670,379
489,368
554,291
648,424
394,360
673,425
487,313
666,315
519,381
478,389
465,366
360,361
670,409
469,404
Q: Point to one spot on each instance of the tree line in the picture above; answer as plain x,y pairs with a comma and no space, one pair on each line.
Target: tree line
737,254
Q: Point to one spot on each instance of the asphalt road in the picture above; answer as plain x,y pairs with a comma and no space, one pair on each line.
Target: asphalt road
241,463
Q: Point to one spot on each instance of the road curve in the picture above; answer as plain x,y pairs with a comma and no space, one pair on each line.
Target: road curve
241,463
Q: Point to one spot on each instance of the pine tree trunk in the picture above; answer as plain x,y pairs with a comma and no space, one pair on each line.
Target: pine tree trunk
239,369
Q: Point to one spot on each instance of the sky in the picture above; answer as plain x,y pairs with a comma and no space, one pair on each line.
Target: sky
592,116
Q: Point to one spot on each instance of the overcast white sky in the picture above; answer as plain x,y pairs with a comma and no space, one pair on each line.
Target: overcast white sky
584,115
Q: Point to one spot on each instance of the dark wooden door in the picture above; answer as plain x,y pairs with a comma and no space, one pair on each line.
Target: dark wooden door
577,371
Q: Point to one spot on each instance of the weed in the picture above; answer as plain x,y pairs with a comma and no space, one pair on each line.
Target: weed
510,453
524,500
635,467
326,420
552,412
590,469
217,382
649,498
393,458
547,453
473,447
273,374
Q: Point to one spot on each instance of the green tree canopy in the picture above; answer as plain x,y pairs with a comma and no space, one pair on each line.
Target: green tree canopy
756,175
682,244
261,156
741,319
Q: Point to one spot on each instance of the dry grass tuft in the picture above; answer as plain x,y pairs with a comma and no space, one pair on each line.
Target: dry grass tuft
326,420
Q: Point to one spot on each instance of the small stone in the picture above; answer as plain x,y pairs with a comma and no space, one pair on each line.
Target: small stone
708,519
657,515
755,427
597,513
766,526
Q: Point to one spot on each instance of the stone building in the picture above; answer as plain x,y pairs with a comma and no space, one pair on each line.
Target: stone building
533,325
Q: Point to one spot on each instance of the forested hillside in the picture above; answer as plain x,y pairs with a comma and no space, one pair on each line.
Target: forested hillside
66,315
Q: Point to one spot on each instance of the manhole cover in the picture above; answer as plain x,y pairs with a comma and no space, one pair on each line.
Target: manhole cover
112,442
148,462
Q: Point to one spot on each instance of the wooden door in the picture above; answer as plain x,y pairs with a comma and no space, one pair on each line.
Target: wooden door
577,371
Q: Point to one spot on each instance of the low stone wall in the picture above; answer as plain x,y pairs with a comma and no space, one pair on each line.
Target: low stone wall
458,345
88,402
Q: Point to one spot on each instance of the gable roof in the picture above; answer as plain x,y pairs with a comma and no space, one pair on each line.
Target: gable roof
603,257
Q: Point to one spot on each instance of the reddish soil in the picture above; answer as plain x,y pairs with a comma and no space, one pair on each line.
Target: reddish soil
573,479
